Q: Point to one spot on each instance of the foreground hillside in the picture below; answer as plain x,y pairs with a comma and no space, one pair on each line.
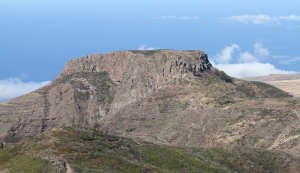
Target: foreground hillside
168,101
84,150
287,82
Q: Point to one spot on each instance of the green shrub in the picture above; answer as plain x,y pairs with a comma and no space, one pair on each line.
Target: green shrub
223,76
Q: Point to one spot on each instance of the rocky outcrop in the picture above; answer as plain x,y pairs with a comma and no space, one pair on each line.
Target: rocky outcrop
139,73
89,88
156,63
162,96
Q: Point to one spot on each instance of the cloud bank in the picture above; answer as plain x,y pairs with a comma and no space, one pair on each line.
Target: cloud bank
251,69
243,64
259,19
145,47
14,87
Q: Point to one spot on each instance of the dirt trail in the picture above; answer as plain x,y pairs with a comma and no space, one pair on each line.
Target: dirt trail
4,171
69,169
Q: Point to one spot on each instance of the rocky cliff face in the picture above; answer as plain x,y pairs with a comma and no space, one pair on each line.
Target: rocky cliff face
89,88
139,73
162,96
157,63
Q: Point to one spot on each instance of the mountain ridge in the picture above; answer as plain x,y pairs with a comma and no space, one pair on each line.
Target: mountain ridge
105,63
165,97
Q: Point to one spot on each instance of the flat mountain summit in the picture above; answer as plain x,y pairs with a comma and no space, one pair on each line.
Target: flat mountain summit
170,98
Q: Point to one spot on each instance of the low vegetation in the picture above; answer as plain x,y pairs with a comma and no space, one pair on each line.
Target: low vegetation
15,161
223,76
87,150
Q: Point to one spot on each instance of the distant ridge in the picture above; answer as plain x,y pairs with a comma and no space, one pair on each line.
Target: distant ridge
287,82
276,77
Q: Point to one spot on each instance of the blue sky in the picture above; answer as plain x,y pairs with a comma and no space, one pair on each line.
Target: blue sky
243,38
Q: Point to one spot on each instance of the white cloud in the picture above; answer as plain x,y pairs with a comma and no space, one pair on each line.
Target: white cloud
289,18
145,47
259,19
242,70
251,19
247,57
14,87
260,50
246,64
226,55
178,18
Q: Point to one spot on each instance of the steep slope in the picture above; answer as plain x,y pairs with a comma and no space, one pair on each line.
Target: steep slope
162,96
